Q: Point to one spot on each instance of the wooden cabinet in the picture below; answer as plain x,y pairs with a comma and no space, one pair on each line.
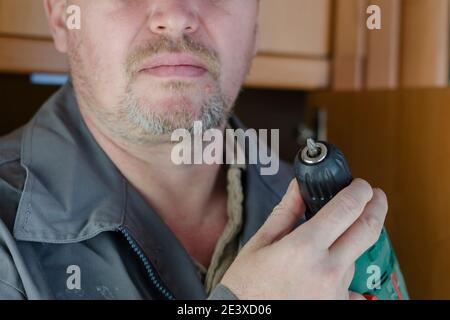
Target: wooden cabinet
25,40
294,42
296,27
294,45
409,50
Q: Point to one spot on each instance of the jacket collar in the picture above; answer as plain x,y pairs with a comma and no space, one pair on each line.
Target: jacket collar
72,190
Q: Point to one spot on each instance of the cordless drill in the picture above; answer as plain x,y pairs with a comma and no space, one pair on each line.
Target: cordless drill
322,171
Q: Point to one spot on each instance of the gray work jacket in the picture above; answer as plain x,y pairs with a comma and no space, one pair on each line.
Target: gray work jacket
71,226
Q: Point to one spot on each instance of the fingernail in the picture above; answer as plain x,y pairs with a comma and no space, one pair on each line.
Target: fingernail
292,184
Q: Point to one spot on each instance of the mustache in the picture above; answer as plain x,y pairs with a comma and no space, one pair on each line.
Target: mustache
209,57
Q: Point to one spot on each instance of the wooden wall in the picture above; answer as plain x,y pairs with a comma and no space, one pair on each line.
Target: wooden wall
400,141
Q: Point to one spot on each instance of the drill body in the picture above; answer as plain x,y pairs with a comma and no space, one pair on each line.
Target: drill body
322,171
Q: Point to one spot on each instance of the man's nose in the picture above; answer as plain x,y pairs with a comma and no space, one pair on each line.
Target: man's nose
173,18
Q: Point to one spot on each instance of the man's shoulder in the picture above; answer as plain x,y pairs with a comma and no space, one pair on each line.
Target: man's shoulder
12,176
10,146
10,149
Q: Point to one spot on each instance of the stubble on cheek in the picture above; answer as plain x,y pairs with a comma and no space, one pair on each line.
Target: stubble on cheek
83,76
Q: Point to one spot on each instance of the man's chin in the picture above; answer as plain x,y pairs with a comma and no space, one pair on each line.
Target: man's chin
163,111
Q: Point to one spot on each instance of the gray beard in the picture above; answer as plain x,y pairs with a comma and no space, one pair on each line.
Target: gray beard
139,125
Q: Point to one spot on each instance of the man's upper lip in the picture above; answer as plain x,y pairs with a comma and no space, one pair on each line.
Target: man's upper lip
167,60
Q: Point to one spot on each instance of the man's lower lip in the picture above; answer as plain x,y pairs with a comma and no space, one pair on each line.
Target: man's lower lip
175,71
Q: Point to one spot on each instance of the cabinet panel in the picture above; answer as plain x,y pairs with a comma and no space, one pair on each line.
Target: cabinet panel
295,27
289,73
23,18
425,43
30,55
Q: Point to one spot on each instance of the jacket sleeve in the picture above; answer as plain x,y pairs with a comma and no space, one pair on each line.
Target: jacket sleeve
9,292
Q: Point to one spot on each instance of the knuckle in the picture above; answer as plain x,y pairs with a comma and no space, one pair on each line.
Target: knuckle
309,247
264,235
310,240
381,193
279,209
350,203
382,201
295,252
373,228
363,186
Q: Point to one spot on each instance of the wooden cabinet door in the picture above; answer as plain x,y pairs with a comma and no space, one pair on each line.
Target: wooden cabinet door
23,18
25,39
294,45
295,27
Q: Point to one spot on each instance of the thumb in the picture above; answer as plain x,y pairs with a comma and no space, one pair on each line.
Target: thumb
282,219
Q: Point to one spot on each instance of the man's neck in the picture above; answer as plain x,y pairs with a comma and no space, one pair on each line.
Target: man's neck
187,197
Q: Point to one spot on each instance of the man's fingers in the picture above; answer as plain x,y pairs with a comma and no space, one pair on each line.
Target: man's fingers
364,232
282,219
337,215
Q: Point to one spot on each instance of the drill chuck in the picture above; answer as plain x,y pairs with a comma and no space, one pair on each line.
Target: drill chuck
321,171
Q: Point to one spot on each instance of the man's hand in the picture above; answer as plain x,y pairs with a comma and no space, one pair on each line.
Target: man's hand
315,260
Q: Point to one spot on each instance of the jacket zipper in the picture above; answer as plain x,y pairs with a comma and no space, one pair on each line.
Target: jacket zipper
148,266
